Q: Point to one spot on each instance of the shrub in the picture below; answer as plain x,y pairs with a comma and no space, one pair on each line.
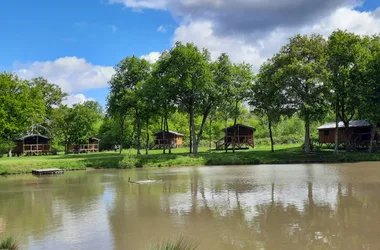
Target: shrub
129,161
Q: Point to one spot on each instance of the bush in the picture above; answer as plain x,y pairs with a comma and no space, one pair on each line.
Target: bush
129,161
288,139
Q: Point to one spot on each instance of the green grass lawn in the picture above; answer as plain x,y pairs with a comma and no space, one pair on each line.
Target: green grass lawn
179,157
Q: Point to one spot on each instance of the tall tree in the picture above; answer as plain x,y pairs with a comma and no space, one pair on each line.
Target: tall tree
189,69
343,60
242,78
130,73
303,74
267,97
163,92
369,79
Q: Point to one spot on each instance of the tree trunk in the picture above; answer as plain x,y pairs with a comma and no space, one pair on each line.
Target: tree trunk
336,149
225,132
235,121
191,138
167,130
163,135
10,153
307,137
210,134
270,134
193,134
373,132
346,131
122,121
204,120
147,136
138,132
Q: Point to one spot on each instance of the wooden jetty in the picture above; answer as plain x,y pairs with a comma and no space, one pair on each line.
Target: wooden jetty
47,171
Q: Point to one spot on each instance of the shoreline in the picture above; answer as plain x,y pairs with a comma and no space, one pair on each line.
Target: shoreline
285,154
4,171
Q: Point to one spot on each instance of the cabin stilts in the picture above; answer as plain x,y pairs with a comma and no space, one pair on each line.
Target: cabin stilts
167,139
240,136
358,134
32,145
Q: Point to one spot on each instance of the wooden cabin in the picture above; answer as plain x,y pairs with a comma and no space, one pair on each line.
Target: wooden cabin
168,139
244,137
358,133
91,146
32,145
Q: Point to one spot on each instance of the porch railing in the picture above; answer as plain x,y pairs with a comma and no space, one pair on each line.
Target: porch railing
36,148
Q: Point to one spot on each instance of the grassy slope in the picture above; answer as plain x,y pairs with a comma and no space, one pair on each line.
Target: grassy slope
260,155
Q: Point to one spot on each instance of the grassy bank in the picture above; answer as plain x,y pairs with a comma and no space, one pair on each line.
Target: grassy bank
284,154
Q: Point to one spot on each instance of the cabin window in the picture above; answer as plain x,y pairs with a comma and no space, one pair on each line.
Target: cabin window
326,133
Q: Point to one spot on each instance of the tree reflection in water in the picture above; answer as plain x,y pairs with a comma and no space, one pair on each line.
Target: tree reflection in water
257,207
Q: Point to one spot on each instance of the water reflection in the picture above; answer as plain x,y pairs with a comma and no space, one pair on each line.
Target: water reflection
260,207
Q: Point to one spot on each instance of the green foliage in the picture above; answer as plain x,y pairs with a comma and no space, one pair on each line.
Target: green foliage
9,243
21,106
303,76
77,124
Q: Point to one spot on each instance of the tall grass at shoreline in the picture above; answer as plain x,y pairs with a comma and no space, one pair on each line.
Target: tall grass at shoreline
180,244
9,243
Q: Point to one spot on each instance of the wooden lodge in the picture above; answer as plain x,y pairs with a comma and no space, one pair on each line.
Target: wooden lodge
32,145
358,134
168,139
244,137
91,146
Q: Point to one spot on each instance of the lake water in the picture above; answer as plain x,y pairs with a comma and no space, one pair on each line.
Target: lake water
234,207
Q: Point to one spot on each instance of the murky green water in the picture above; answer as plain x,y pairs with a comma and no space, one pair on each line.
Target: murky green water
252,207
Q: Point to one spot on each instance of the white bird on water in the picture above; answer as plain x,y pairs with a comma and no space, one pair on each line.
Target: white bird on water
143,182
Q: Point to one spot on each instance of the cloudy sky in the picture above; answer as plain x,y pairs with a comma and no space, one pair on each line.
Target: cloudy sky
75,44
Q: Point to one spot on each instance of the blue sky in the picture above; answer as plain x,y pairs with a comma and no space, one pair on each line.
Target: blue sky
75,43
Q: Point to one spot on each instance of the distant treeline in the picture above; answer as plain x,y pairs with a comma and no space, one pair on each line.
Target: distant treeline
310,80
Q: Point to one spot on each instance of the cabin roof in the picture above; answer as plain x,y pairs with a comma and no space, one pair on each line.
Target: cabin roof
94,138
239,125
29,136
170,132
352,124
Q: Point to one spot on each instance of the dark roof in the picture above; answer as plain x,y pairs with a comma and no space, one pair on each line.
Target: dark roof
239,125
352,124
170,132
29,136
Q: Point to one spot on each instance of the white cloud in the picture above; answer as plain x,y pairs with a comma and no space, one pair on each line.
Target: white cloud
76,99
114,28
254,48
161,28
72,74
202,34
363,23
377,13
253,30
152,57
142,4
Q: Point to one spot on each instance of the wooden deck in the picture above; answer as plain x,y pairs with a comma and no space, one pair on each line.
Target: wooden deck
47,171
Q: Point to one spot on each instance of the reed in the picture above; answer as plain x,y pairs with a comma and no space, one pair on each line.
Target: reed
180,244
9,243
